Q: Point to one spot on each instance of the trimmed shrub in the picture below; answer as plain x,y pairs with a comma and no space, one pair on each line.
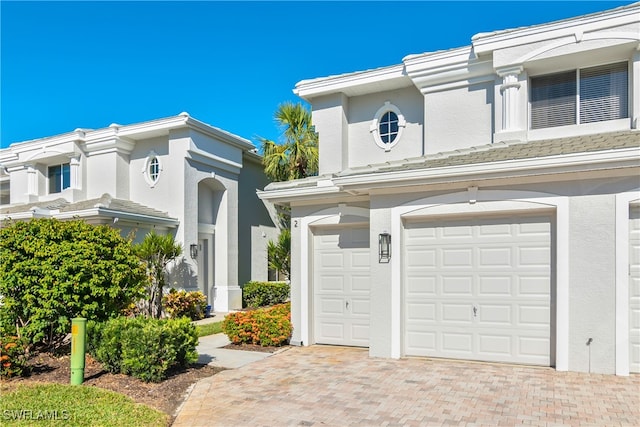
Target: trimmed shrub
262,294
52,271
182,303
13,358
265,326
144,348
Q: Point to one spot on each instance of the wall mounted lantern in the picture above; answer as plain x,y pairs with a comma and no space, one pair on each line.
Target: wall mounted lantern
193,250
384,247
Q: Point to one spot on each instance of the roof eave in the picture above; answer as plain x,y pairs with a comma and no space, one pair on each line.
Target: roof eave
627,159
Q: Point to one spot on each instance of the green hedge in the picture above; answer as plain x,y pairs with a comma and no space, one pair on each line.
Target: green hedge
144,348
264,326
262,294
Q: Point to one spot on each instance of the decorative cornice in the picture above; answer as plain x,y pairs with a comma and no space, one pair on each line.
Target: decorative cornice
485,43
442,70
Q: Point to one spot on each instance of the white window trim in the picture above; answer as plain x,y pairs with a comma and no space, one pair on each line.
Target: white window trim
375,126
145,169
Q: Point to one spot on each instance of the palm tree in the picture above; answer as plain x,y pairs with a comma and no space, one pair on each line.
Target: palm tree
279,254
297,156
157,251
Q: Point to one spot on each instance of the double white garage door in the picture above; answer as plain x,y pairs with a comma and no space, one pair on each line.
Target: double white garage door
472,289
479,290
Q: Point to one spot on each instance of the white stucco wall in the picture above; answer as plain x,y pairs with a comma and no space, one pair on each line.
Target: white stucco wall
362,149
592,290
459,118
329,116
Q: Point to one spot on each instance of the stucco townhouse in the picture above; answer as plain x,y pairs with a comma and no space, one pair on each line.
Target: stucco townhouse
478,203
173,175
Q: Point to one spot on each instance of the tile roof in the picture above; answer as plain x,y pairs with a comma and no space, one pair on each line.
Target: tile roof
508,151
104,202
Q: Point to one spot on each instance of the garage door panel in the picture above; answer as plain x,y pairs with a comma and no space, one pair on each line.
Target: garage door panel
457,285
425,286
534,228
421,311
500,266
457,231
360,283
331,283
341,286
457,344
493,230
492,286
331,332
533,316
332,260
360,260
331,306
534,347
421,343
495,345
457,258
534,256
422,259
456,313
360,332
534,286
495,314
496,257
360,307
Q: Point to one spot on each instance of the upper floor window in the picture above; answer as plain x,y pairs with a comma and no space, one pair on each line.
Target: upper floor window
387,126
59,177
152,169
580,96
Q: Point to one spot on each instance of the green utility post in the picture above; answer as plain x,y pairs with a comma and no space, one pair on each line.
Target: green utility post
78,338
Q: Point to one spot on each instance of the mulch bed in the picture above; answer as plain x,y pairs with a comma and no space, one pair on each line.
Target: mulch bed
165,396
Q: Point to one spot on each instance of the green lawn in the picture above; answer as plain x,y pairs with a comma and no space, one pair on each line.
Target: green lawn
209,329
74,405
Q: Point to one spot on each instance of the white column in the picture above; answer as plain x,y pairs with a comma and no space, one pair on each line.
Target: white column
635,84
510,91
32,181
74,166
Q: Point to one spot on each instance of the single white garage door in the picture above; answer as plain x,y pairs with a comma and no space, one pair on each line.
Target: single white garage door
479,289
341,285
634,291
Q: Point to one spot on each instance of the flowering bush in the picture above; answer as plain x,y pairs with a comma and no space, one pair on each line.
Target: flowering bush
13,356
265,326
182,303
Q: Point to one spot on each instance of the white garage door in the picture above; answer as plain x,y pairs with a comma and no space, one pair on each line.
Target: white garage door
341,286
478,289
634,291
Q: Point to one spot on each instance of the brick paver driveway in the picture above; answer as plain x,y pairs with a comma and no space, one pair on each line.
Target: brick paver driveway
337,386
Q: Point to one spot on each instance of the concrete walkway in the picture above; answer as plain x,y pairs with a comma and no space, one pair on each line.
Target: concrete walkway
339,386
210,351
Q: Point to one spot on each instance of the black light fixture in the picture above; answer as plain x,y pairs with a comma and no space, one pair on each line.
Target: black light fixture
193,250
384,247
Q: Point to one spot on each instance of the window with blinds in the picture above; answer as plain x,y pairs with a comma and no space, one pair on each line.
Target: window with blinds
580,96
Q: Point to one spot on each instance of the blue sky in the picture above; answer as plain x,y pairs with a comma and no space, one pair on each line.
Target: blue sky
66,65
